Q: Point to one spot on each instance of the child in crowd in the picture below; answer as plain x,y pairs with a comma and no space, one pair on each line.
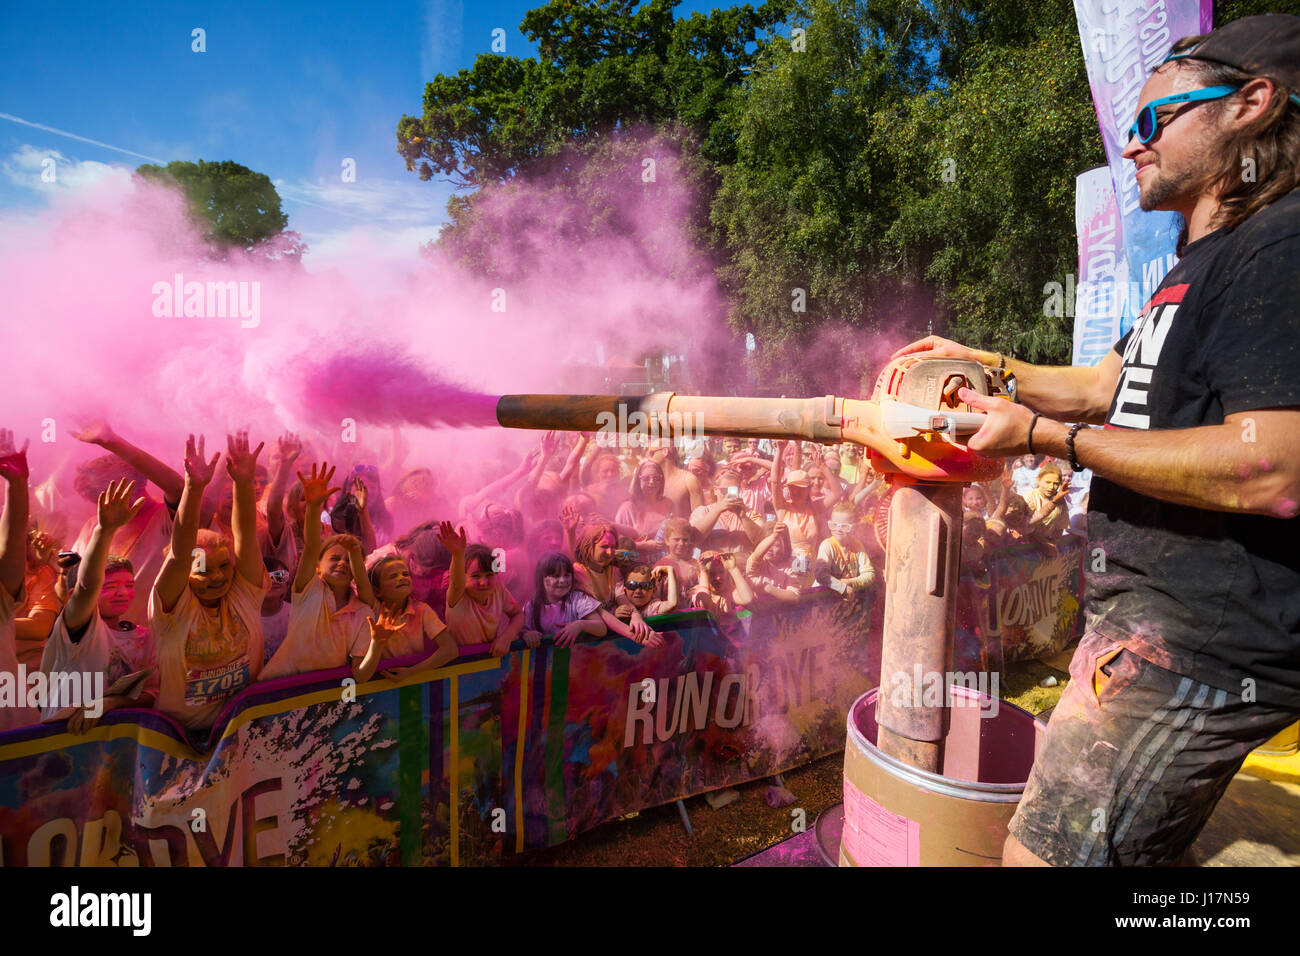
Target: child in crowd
594,573
648,591
275,607
771,566
850,570
421,630
723,588
556,608
679,538
327,617
91,635
479,608
205,608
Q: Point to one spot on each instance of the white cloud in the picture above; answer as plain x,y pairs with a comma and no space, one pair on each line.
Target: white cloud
329,249
49,171
440,51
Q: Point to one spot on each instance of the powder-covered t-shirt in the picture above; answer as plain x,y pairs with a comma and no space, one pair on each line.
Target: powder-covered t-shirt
320,635
420,632
575,606
474,623
1208,594
206,656
116,652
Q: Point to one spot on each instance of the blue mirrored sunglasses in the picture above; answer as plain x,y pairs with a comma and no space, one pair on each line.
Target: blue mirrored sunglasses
1148,124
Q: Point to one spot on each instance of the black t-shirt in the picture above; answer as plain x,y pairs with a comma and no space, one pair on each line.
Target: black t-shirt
1208,594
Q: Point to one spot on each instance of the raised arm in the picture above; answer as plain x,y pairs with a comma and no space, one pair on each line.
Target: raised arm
115,509
241,465
470,503
174,575
382,630
361,495
742,592
315,490
574,460
357,563
455,540
289,448
777,478
13,521
167,479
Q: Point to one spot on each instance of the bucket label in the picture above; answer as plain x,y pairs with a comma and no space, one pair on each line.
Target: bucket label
874,836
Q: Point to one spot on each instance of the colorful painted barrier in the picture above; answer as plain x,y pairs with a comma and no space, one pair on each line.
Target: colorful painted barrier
484,757
489,756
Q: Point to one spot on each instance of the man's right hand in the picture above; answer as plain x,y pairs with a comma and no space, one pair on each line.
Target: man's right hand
938,347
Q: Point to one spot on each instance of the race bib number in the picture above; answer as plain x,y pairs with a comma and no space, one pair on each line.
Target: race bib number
204,685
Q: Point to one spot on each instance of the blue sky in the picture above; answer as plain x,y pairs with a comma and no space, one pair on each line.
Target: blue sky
291,91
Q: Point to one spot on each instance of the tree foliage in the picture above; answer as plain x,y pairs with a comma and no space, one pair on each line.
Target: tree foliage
233,206
895,167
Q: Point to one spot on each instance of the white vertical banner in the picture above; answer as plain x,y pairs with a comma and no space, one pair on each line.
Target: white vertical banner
1123,42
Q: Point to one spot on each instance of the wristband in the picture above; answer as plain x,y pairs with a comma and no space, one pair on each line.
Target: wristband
1032,422
1069,446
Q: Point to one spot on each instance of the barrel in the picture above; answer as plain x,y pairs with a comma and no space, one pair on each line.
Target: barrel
898,815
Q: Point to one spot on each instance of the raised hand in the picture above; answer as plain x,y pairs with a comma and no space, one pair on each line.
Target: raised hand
115,505
197,467
454,539
288,448
241,463
317,488
360,493
388,625
95,433
550,442
13,463
728,561
569,518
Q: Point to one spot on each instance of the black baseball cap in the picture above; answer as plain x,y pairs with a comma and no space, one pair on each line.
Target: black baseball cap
1265,45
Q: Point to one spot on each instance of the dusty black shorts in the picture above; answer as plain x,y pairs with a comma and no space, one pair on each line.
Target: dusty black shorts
1134,760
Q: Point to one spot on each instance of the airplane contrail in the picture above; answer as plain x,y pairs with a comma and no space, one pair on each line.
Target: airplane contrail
288,190
84,139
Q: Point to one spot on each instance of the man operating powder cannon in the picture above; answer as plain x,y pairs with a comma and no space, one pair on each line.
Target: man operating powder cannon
1191,657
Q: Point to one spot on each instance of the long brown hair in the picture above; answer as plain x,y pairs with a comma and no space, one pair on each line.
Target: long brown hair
1269,144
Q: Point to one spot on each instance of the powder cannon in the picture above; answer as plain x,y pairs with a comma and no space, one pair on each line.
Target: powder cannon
912,429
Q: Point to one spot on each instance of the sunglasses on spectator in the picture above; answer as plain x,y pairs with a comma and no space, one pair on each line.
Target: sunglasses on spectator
1148,123
625,555
841,525
639,586
279,577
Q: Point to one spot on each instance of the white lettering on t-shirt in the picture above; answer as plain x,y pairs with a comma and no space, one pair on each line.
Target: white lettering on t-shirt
1141,356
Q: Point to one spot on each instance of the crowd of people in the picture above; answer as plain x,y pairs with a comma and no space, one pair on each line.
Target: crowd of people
257,563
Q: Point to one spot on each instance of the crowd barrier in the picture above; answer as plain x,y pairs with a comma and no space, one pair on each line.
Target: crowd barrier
487,756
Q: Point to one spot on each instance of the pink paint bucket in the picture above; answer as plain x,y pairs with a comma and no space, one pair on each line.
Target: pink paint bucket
898,815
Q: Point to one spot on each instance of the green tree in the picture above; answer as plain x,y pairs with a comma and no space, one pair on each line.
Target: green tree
602,65
232,205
